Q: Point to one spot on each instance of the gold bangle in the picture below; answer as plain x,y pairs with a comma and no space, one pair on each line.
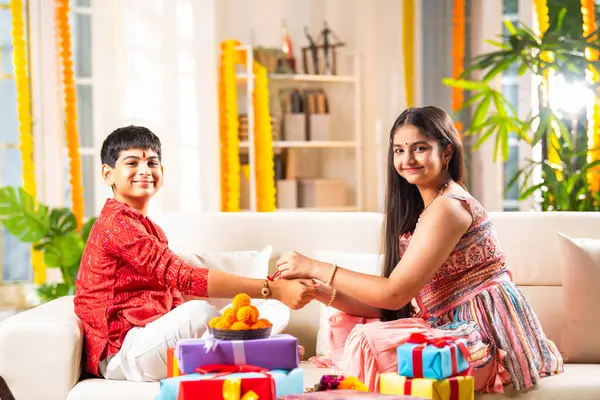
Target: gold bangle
331,275
333,294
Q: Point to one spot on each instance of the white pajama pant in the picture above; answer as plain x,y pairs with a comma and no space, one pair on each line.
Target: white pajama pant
143,355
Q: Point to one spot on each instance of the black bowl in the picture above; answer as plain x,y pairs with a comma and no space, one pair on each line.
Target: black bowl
252,334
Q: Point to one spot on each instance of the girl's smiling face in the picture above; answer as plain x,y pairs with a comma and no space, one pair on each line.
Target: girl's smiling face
417,158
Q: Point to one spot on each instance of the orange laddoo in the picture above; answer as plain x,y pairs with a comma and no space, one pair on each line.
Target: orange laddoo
213,322
222,324
229,316
240,326
265,321
248,314
241,300
260,324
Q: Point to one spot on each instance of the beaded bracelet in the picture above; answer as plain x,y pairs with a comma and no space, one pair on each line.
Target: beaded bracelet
333,294
331,275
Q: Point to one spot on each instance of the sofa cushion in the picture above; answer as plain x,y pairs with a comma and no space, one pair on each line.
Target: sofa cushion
580,341
250,264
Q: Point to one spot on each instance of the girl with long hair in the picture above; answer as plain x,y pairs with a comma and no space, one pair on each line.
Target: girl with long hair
442,250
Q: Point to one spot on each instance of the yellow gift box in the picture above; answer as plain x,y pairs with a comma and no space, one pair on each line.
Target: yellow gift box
455,388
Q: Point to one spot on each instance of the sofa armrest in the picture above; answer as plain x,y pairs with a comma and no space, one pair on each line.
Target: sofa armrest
40,351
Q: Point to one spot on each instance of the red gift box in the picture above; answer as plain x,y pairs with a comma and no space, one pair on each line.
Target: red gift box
262,388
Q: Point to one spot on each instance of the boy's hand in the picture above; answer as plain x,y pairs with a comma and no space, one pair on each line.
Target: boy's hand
295,293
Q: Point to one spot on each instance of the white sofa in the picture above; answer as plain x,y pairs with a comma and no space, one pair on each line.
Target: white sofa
40,349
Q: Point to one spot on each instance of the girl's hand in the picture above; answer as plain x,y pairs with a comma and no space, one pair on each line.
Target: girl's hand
294,265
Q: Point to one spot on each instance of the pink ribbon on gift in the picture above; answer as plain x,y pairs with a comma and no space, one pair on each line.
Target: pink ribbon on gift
439,342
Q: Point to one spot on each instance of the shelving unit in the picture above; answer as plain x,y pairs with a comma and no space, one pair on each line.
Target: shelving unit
353,141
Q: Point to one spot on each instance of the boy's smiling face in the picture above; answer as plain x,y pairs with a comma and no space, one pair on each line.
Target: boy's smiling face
136,177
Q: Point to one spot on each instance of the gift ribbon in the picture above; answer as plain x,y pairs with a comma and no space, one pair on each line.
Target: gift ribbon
439,342
232,390
211,342
226,369
453,382
239,354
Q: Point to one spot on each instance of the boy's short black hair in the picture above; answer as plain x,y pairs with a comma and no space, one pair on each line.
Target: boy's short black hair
127,138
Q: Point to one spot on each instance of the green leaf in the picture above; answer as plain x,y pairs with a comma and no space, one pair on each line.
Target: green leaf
62,221
87,227
503,46
589,166
18,214
48,292
481,111
510,27
530,190
488,132
63,251
498,68
464,84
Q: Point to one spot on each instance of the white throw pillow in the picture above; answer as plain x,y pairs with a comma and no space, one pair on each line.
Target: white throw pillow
580,342
366,263
249,264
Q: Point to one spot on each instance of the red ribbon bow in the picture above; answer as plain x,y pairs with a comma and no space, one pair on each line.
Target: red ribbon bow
223,369
439,342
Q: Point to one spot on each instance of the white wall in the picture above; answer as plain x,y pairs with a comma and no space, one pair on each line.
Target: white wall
158,60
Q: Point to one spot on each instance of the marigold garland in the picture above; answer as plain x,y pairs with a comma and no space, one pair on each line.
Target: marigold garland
263,143
70,97
229,128
593,107
408,37
458,55
24,118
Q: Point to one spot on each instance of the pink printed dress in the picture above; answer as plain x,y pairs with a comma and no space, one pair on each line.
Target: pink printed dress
471,296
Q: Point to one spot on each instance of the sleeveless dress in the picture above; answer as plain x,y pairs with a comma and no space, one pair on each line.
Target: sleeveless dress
471,296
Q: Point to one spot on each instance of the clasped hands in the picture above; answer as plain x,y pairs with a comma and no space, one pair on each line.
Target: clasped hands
299,273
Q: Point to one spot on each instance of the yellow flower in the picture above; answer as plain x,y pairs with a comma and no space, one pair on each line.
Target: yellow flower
352,383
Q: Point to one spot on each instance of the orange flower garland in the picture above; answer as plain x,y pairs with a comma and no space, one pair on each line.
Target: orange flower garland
593,109
408,44
72,135
458,55
24,118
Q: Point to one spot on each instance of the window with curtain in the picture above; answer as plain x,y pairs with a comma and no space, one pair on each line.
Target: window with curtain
15,256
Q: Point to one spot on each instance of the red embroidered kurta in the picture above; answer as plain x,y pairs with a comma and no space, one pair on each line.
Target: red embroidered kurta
128,277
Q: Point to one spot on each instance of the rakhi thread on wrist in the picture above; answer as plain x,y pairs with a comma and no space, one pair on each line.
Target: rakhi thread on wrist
275,275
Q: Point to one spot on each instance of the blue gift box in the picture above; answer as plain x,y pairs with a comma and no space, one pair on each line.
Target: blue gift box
286,382
437,362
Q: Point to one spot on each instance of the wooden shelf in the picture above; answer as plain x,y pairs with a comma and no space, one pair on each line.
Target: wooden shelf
307,144
304,78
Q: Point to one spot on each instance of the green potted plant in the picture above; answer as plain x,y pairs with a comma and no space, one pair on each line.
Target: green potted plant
564,184
50,230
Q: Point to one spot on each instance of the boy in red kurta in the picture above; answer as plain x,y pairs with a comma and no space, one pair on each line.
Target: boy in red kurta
128,290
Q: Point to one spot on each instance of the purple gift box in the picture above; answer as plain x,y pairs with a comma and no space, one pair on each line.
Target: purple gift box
274,352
